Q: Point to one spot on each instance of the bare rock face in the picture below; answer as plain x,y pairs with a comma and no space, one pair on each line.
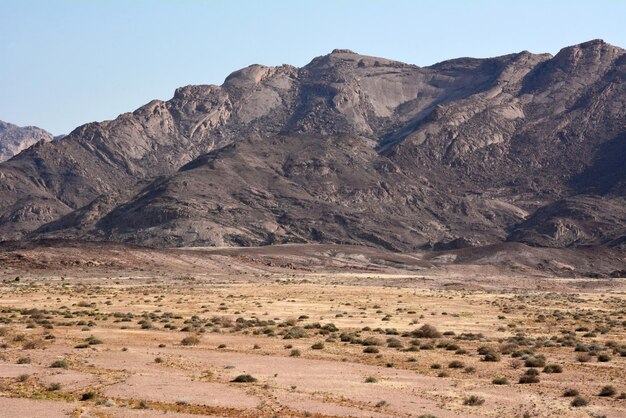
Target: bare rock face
14,139
347,149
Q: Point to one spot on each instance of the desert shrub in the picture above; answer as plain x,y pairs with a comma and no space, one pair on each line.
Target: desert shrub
426,331
570,392
607,390
535,362
295,333
532,372
87,396
603,358
158,360
371,379
370,341
244,378
295,353
59,364
443,374
583,357
579,401
553,368
23,377
318,346
93,340
474,401
491,357
394,343
54,386
483,349
190,340
381,404
371,350
23,360
526,379
435,366
500,381
456,364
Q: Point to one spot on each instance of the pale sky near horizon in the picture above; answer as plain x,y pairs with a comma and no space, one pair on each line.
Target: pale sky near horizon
68,62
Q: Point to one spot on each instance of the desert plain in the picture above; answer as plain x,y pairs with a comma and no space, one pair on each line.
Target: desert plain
91,330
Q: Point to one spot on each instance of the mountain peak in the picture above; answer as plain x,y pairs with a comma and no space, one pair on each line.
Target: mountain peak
14,139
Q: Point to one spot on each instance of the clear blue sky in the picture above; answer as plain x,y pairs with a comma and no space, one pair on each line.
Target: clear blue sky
67,62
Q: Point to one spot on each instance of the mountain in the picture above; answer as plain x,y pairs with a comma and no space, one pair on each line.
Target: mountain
14,139
348,149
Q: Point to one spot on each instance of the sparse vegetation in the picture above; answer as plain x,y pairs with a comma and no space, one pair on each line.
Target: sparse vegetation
474,400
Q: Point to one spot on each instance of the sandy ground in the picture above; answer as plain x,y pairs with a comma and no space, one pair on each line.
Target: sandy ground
143,334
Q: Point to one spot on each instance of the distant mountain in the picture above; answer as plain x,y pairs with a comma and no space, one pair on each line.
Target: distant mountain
14,139
348,149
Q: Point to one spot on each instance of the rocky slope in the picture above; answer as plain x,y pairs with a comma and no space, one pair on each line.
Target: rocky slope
14,139
348,149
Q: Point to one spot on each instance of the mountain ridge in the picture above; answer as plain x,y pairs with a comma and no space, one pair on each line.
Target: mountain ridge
347,149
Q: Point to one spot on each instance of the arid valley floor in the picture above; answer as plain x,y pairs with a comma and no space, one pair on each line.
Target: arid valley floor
302,331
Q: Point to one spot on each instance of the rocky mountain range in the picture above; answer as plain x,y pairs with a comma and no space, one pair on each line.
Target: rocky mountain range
14,139
348,149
